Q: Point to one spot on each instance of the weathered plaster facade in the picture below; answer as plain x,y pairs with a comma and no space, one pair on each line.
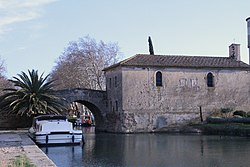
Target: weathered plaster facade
141,106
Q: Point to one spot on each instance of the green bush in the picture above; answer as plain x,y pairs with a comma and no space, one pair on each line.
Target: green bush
72,119
21,161
240,113
248,114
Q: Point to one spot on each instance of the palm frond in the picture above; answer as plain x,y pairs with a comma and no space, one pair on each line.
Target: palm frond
31,95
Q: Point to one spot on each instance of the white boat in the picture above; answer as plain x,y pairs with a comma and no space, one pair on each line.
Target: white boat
54,129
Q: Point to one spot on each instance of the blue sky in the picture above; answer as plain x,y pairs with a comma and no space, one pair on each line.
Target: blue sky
34,33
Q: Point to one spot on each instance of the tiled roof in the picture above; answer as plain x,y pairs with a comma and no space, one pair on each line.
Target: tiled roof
145,60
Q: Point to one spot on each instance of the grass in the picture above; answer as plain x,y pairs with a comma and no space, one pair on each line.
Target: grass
21,161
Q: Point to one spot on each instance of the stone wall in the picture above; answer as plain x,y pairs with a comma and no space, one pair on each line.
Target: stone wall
114,100
94,100
146,108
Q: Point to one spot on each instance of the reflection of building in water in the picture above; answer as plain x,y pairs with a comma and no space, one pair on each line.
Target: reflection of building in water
174,150
89,138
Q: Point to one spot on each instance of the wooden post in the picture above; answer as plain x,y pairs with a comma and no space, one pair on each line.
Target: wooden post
73,139
201,114
47,139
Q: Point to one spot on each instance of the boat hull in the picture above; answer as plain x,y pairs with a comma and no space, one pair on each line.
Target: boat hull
57,138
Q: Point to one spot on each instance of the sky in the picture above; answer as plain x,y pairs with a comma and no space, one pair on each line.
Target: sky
34,33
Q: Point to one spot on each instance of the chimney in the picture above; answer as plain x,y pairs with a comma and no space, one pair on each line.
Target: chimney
234,51
248,37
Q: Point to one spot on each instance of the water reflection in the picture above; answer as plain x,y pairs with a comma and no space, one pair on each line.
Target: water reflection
153,150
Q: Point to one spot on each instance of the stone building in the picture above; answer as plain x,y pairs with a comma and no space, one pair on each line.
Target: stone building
149,93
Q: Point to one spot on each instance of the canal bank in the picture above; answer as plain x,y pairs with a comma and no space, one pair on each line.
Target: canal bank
228,129
14,144
220,129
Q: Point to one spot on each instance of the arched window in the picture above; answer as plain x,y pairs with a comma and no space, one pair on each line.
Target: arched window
210,80
158,78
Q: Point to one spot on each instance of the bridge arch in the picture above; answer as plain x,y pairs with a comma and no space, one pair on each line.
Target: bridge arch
94,100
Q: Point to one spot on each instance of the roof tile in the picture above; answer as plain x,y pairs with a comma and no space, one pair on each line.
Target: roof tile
181,61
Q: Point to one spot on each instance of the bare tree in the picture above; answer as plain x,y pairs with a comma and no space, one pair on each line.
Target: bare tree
4,83
82,62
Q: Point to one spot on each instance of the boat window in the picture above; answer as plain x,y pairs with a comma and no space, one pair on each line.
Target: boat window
40,128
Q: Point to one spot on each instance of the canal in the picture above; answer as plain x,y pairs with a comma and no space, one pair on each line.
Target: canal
153,150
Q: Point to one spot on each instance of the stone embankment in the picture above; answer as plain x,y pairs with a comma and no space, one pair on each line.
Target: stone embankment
17,143
229,129
212,128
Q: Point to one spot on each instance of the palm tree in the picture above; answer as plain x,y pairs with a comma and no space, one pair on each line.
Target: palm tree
31,95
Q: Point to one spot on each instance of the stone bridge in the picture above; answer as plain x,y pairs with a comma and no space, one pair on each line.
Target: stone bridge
94,100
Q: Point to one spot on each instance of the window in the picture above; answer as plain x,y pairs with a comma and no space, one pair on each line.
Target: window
116,105
110,105
110,82
115,81
210,80
158,78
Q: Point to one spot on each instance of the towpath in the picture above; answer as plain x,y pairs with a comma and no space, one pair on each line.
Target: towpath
17,143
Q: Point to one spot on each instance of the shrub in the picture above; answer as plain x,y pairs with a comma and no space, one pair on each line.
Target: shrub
240,113
21,161
226,111
72,119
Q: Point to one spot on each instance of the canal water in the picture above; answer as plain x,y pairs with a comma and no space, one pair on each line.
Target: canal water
153,150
